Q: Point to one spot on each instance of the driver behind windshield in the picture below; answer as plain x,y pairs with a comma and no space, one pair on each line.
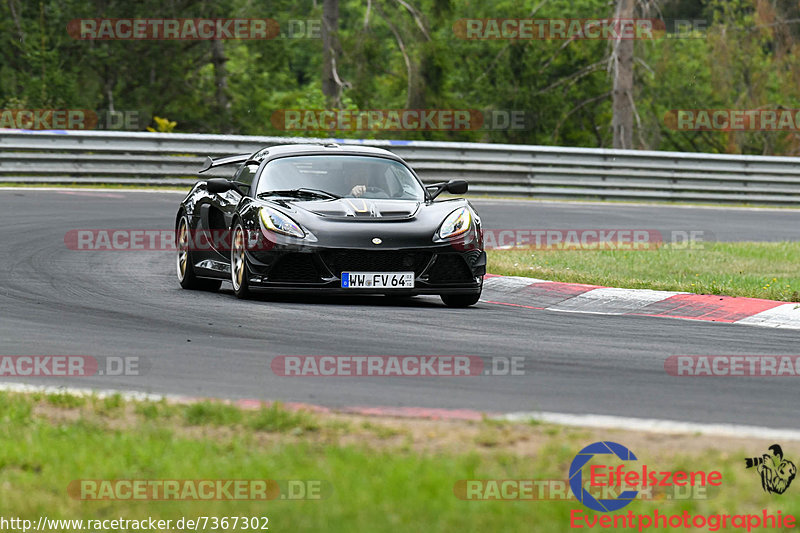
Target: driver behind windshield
361,178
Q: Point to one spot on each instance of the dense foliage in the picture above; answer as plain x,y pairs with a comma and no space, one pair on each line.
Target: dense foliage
404,54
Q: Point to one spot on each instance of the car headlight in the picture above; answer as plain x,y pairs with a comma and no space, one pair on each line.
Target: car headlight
280,223
456,223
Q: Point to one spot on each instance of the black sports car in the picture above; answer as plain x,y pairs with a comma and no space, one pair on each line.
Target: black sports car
333,219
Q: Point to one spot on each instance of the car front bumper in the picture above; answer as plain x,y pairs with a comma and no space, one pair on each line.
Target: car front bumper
437,270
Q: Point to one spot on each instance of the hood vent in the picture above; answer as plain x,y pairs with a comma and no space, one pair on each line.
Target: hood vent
362,209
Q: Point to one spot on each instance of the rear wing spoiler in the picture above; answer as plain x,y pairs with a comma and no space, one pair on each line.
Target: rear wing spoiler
229,160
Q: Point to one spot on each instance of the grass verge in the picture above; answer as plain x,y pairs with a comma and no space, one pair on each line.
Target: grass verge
385,473
753,269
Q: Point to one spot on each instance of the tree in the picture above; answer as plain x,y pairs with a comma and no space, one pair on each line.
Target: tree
331,84
621,63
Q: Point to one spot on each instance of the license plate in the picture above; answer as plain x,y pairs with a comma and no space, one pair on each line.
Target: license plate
377,280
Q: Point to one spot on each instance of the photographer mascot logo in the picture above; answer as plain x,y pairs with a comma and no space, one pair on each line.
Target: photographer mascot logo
776,472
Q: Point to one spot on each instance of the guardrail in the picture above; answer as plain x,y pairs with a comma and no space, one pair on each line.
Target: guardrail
499,169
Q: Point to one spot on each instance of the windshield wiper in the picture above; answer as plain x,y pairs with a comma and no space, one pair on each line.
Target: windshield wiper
319,193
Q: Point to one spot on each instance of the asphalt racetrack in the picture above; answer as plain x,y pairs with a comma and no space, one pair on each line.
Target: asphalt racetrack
54,300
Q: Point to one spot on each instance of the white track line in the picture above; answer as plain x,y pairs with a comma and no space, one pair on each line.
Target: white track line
614,301
784,316
652,425
510,284
99,393
611,301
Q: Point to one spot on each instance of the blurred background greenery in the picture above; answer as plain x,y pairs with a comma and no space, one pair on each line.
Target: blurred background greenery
740,54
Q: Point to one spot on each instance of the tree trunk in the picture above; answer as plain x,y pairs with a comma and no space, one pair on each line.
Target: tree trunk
219,59
330,28
622,95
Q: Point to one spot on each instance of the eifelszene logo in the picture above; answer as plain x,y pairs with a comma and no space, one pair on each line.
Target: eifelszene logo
776,472
576,476
621,476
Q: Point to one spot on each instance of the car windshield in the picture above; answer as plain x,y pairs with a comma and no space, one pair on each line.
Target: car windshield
341,175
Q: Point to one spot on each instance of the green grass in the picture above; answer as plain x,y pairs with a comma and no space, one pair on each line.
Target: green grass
44,446
753,269
62,399
277,419
217,414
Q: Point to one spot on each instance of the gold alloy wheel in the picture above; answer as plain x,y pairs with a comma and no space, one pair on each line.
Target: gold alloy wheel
183,249
237,258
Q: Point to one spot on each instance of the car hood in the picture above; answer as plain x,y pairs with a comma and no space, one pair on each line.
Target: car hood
401,224
361,208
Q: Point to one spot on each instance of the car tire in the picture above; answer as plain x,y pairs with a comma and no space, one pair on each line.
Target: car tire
240,274
184,263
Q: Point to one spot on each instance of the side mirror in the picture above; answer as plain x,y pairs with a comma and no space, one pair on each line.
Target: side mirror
218,185
457,186
452,186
